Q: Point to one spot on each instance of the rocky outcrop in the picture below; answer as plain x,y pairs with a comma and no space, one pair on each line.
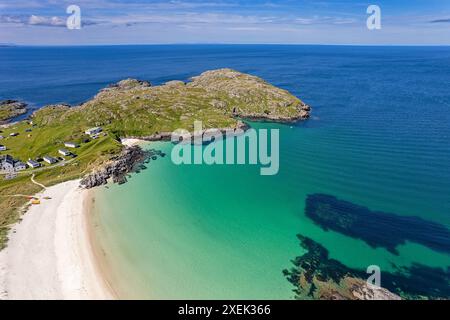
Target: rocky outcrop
128,161
128,84
167,136
317,276
10,109
361,290
304,112
251,97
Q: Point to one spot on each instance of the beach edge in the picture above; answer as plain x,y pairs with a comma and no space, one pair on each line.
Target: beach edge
50,254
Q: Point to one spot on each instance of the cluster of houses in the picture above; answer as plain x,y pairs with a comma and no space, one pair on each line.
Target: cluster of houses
9,164
53,160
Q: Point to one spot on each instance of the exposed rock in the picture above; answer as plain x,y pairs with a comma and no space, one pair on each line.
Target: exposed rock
175,83
255,98
167,136
361,290
128,84
10,109
163,136
117,169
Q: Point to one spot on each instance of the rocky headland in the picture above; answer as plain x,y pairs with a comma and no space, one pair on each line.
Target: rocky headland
131,159
10,109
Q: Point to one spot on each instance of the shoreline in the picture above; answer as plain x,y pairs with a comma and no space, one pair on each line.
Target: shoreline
50,254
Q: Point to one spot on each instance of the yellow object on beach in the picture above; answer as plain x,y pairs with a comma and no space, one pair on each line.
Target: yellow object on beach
35,201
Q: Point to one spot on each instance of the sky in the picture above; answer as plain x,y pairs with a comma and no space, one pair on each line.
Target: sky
333,22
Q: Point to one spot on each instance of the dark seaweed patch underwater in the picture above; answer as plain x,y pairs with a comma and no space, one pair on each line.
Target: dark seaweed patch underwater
315,275
376,228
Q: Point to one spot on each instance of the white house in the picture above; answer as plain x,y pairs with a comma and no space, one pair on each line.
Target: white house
92,131
19,166
2,148
71,145
64,152
50,160
7,163
33,164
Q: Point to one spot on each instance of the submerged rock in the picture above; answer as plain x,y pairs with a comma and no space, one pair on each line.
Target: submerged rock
376,228
317,276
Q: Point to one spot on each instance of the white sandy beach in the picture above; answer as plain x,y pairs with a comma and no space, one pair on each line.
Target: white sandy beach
49,254
129,142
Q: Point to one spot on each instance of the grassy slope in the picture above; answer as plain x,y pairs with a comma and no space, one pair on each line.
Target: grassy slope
132,109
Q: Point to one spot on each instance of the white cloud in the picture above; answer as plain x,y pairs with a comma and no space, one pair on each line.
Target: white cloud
46,21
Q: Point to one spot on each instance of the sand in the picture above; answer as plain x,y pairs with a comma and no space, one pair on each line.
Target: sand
49,254
129,142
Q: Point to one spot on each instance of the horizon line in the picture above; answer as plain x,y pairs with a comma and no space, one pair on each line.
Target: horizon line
5,45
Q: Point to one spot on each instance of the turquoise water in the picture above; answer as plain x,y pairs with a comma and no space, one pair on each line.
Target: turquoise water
379,138
227,232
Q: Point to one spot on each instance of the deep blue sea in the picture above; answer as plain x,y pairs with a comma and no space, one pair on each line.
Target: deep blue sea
379,138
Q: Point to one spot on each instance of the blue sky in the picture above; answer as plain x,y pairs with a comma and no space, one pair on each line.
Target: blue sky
42,22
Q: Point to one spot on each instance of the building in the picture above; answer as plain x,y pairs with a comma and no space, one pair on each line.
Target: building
71,145
33,164
19,166
14,134
2,148
50,160
93,131
64,152
2,137
7,163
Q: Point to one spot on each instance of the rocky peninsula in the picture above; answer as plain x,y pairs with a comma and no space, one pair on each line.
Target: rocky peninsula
10,109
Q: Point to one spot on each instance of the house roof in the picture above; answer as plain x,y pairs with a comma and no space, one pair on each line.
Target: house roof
94,129
7,158
32,162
